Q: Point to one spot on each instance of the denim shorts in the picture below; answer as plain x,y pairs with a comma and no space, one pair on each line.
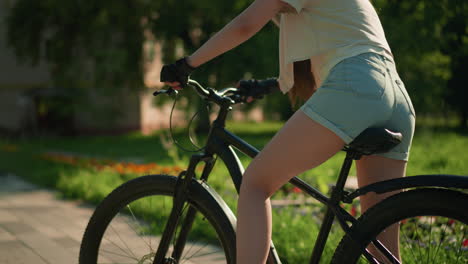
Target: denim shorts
360,92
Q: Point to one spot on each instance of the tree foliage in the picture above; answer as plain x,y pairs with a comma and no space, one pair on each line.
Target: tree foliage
99,43
95,42
430,42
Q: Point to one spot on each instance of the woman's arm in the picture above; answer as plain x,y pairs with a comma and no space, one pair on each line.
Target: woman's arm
240,29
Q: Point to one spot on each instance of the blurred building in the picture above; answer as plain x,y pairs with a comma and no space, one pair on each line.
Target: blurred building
28,102
15,80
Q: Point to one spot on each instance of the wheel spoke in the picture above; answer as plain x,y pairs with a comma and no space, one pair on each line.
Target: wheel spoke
432,228
418,246
190,249
428,244
409,240
128,224
440,240
125,244
134,230
460,249
120,255
201,255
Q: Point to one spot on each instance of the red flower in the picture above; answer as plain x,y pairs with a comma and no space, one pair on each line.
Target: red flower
9,148
296,190
353,211
465,242
119,167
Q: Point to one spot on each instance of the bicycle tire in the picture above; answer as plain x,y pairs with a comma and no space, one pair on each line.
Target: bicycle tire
420,204
159,186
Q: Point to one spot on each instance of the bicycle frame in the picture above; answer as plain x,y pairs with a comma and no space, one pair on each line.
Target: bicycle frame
221,143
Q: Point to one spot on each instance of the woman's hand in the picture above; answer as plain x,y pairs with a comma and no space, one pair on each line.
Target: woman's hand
256,89
176,74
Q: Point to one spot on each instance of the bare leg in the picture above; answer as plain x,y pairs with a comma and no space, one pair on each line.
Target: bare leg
372,169
300,145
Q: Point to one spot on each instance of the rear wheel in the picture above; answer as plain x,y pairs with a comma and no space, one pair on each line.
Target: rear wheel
433,229
127,225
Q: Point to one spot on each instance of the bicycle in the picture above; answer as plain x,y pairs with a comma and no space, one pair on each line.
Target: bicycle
429,206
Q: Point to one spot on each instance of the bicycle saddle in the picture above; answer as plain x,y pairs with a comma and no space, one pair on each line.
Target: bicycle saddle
374,140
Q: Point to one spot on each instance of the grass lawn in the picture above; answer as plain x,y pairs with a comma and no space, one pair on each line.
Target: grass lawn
89,176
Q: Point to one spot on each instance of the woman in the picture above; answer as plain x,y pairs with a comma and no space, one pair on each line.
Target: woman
342,47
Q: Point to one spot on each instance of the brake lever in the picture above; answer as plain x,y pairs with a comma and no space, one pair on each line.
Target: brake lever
169,91
236,98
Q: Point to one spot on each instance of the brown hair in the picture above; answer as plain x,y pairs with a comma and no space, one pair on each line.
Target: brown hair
304,82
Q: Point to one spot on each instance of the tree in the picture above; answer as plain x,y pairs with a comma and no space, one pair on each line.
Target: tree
455,45
93,41
430,44
91,46
98,44
186,26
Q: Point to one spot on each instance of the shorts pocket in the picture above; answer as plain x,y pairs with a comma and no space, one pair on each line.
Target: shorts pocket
402,88
366,79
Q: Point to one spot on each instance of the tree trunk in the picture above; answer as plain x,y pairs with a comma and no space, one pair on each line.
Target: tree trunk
203,122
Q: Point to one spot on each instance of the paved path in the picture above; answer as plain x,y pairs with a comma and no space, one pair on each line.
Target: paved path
36,227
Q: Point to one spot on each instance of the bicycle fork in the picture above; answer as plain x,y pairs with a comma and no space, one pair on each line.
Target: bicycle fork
180,198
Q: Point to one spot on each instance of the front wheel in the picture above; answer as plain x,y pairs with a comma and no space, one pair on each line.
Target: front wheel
126,227
432,224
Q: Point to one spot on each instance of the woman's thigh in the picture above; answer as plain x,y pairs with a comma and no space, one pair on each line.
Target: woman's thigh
300,145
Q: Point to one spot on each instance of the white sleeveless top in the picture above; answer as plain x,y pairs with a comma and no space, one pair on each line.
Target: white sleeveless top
326,32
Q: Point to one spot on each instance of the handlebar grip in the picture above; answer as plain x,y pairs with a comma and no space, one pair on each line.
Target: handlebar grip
169,91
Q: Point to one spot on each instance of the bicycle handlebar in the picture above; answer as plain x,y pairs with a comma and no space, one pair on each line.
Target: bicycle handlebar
210,94
198,88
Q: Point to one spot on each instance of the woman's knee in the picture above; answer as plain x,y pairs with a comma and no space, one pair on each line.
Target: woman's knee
256,180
